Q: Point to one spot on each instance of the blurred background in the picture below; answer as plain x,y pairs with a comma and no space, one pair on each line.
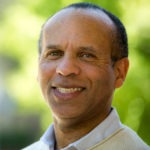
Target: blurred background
24,116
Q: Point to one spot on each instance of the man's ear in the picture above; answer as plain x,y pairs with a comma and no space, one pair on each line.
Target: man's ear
121,69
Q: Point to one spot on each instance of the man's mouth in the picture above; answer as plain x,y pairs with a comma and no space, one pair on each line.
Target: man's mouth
69,90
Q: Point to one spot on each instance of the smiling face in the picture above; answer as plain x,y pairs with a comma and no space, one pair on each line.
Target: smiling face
75,68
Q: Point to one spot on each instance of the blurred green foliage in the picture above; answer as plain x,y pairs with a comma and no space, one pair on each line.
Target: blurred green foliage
20,24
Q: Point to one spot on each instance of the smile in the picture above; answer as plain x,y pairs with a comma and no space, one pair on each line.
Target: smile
67,93
69,90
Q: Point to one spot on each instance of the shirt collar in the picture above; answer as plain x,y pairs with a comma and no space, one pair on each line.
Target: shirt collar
105,129
49,137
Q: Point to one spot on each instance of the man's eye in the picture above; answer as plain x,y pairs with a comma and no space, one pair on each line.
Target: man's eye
54,54
87,55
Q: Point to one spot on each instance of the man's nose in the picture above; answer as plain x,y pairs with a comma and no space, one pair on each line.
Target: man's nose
67,67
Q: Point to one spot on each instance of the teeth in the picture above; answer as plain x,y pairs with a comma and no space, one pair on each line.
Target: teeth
68,90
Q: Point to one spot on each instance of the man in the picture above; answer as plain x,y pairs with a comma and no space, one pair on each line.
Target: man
83,58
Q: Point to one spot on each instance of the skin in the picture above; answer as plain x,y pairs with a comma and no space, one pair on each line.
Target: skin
76,74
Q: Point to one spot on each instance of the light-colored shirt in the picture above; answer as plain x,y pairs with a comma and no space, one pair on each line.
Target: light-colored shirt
108,135
105,129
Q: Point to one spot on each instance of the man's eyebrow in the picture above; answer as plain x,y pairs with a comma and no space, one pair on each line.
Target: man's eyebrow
81,48
88,49
53,46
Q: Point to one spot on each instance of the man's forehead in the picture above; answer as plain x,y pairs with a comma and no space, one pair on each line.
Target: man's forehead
76,13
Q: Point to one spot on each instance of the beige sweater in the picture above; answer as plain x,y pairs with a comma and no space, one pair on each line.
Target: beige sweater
123,139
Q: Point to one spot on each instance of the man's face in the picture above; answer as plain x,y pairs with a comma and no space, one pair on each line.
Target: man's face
75,69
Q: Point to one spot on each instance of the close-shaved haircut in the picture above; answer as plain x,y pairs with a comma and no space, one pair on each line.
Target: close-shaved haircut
119,41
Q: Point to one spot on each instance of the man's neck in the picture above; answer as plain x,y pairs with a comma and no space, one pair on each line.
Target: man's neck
68,133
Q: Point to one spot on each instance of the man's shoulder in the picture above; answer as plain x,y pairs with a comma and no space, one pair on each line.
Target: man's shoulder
39,145
123,139
132,137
